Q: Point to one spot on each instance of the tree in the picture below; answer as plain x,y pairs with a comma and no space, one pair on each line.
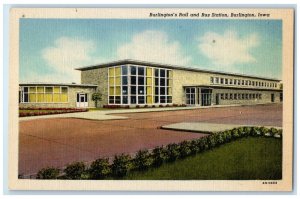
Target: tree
96,97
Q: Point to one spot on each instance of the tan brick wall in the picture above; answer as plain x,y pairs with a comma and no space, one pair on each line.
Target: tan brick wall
183,78
98,77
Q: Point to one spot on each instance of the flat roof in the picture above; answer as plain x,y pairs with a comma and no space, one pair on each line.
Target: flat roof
56,84
137,62
233,87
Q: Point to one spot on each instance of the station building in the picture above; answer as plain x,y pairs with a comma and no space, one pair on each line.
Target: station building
131,82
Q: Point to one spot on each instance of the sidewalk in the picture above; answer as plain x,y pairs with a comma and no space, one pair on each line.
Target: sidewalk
201,127
106,115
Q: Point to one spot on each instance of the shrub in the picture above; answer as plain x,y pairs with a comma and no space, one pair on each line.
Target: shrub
241,131
278,134
235,134
121,165
100,169
48,173
75,170
146,106
255,131
184,149
194,147
137,106
247,130
153,106
202,144
161,105
142,160
265,132
172,152
273,131
211,141
158,155
220,138
227,136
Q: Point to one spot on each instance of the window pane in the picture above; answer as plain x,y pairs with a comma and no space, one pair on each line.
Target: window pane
141,90
156,99
125,90
162,73
149,90
25,89
124,80
118,90
156,71
64,90
133,80
118,100
132,70
111,81
141,80
40,89
32,97
49,89
124,70
149,81
118,81
162,81
111,71
141,71
125,99
25,97
156,90
56,89
149,71
162,99
156,81
111,90
133,99
133,89
141,99
56,97
118,71
48,97
64,97
111,100
149,99
32,89
40,97
162,90
169,99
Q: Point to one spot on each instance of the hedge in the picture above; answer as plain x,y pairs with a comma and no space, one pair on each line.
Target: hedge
144,159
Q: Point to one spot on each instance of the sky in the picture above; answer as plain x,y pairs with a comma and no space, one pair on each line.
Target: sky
50,49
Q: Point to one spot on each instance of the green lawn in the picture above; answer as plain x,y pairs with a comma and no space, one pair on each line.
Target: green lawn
252,158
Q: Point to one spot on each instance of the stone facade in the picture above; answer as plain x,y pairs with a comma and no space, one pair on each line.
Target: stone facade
98,77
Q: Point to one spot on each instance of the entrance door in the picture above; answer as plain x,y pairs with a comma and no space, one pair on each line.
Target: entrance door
217,98
272,97
206,97
82,100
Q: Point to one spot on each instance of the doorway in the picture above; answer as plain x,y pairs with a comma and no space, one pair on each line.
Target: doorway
190,95
82,100
272,97
206,95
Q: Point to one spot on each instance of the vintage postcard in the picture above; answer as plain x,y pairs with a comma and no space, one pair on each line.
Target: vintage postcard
151,99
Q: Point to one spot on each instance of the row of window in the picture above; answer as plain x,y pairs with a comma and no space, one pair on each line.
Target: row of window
43,94
139,85
239,96
228,81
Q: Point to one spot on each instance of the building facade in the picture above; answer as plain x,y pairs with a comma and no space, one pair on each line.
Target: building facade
130,82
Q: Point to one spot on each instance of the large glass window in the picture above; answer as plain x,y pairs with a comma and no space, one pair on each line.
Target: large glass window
140,85
43,94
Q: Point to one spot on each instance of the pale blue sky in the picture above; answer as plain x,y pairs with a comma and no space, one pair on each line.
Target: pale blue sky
51,48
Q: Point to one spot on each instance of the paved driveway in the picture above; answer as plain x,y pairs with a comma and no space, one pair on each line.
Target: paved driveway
58,141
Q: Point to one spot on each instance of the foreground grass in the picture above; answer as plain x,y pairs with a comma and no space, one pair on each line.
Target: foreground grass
251,158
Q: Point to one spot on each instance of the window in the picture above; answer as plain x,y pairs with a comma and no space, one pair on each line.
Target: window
226,96
231,96
42,94
222,80
226,81
217,80
222,96
230,81
211,80
235,96
235,82
242,82
139,85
